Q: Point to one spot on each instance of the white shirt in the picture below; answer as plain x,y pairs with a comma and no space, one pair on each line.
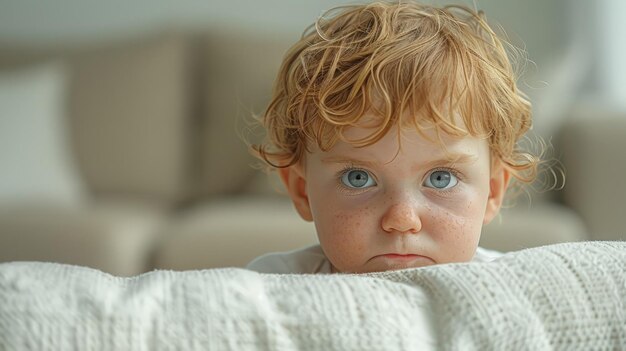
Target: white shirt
312,260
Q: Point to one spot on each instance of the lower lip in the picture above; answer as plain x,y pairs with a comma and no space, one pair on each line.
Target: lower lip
401,257
408,258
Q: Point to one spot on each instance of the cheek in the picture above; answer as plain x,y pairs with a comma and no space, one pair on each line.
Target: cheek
456,229
344,235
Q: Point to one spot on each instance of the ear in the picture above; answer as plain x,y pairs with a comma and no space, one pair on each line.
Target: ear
498,183
295,182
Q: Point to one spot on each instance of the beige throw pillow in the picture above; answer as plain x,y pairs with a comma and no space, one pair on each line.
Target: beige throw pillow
36,161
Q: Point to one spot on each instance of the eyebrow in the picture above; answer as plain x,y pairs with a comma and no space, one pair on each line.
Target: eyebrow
450,158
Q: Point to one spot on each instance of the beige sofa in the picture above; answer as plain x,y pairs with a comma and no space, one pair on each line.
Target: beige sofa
155,128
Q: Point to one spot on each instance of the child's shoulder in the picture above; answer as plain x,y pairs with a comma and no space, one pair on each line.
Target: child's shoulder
485,255
310,259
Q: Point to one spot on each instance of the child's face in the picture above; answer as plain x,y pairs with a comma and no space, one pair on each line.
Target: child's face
381,208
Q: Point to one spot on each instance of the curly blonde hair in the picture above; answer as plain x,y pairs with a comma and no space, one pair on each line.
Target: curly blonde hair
407,63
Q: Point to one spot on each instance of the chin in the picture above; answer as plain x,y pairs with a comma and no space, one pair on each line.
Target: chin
394,262
387,268
408,266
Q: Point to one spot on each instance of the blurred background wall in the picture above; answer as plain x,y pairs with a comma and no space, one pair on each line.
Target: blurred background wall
574,45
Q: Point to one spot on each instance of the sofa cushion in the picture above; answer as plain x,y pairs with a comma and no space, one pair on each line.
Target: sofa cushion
524,226
240,69
114,236
231,232
129,110
132,116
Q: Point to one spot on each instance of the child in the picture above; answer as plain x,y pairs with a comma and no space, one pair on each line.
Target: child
394,127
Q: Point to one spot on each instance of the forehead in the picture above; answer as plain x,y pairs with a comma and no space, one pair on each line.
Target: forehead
412,128
410,136
407,144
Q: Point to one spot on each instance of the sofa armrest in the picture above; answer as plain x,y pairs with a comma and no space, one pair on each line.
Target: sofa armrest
592,144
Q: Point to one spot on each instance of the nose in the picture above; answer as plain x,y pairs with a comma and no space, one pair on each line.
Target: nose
402,217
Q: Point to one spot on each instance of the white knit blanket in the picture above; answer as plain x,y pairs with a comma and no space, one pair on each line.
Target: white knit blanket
561,297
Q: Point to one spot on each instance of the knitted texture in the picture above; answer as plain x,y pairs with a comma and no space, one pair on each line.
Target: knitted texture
561,297
558,297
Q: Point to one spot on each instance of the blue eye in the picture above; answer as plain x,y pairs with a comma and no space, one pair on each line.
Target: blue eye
441,180
357,178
